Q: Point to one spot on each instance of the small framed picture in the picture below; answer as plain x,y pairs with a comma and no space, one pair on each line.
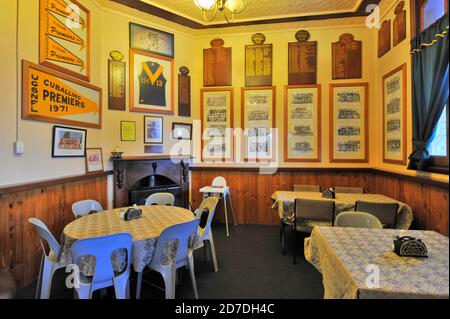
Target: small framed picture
127,131
94,160
153,129
68,142
181,131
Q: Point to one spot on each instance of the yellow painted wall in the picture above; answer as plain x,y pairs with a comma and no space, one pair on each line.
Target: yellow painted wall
110,32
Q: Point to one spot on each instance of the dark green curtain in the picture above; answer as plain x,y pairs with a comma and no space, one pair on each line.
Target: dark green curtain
429,87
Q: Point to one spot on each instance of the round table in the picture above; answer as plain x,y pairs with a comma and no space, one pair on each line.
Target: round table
144,231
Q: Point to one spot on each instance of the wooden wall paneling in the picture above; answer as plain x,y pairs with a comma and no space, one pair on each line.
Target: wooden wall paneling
50,203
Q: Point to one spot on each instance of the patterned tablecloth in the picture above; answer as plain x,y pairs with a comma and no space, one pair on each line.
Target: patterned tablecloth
145,232
285,205
348,259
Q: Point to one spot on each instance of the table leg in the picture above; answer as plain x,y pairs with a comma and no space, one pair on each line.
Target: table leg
226,214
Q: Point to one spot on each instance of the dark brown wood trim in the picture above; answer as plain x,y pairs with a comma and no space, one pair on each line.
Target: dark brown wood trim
51,182
417,179
167,15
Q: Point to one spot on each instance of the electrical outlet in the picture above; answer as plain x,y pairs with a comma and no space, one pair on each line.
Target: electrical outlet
19,147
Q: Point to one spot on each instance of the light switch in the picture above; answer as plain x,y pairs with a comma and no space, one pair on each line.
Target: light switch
19,147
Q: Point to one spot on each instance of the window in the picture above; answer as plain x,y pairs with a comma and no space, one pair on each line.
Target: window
425,12
438,147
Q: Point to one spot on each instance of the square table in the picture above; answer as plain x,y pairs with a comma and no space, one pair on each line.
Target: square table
360,263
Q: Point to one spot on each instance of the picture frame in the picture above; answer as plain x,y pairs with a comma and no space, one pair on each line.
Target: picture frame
151,40
217,114
156,95
64,29
153,130
258,120
36,107
94,160
394,116
68,142
302,123
349,138
181,131
128,131
117,80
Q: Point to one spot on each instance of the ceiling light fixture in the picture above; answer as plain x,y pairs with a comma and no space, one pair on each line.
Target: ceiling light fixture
228,7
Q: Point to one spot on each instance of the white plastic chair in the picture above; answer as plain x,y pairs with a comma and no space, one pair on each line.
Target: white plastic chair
358,220
163,199
184,257
205,214
84,207
50,262
104,276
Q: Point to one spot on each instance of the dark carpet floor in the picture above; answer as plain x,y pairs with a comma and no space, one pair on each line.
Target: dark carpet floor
250,266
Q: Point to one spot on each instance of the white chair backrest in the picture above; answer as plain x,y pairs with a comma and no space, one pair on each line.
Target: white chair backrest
163,199
45,235
358,220
180,233
219,181
102,248
84,207
208,205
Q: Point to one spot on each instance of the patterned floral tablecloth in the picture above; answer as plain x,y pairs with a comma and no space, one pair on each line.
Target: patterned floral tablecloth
284,204
145,232
348,257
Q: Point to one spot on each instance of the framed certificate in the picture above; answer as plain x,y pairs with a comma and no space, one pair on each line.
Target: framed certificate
394,116
127,131
151,83
216,109
349,122
302,128
258,123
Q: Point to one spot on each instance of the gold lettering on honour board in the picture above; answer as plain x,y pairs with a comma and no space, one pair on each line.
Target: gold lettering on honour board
217,64
117,82
302,60
258,62
347,57
184,92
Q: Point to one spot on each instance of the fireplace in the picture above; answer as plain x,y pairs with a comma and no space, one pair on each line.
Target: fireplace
136,178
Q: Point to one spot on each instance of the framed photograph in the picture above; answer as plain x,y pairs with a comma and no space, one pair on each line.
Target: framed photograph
394,116
127,131
94,160
216,109
64,37
181,131
151,83
153,129
302,127
258,122
349,122
68,142
151,40
74,102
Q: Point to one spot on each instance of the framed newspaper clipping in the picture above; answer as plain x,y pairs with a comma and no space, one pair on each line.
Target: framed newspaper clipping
258,122
349,122
216,107
394,116
302,128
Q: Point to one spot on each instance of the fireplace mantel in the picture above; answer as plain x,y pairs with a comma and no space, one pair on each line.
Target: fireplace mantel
129,170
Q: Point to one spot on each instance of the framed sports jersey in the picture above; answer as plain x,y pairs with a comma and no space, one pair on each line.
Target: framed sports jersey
151,82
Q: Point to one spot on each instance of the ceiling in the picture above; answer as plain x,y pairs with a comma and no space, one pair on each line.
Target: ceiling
258,11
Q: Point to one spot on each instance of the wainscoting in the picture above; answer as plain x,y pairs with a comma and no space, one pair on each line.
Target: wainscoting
251,192
50,201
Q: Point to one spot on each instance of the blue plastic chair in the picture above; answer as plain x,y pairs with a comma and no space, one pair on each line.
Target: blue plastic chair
102,249
167,266
84,207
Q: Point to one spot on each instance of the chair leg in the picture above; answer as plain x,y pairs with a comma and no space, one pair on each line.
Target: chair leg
295,245
192,274
39,282
121,288
232,210
226,214
139,285
169,282
213,253
46,280
283,238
